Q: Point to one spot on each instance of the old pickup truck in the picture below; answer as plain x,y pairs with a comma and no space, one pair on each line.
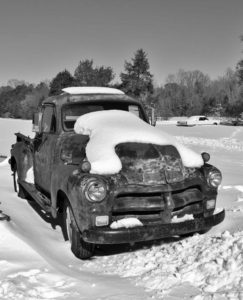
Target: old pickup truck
153,187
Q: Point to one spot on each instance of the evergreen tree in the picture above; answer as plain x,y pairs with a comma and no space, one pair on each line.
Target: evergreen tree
63,79
137,79
88,75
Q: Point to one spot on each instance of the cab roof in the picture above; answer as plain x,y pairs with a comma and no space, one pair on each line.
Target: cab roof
84,94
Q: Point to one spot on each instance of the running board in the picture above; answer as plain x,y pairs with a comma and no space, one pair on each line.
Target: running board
40,198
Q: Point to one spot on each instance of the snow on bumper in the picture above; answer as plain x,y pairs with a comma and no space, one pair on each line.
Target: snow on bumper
150,232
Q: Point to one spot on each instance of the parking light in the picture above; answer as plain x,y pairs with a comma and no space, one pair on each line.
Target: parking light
102,220
85,166
210,204
205,157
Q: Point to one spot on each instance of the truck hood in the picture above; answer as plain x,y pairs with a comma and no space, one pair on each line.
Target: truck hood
150,163
107,129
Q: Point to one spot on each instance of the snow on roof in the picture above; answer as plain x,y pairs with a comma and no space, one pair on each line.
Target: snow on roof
109,128
76,90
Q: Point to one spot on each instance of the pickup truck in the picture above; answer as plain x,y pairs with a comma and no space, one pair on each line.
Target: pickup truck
198,120
153,187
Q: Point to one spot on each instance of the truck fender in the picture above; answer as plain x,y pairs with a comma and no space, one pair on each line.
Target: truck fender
21,160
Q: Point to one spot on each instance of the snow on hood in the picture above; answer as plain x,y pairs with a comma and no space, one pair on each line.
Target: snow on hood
109,128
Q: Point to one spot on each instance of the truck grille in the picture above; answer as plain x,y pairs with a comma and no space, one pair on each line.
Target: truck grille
151,206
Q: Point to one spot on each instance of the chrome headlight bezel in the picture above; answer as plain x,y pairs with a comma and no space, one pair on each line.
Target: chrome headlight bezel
214,178
95,190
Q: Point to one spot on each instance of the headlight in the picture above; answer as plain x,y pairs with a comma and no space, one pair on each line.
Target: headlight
95,190
214,178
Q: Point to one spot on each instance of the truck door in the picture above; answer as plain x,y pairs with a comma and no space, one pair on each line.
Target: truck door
44,149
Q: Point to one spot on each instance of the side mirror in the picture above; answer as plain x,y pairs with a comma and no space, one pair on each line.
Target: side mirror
36,121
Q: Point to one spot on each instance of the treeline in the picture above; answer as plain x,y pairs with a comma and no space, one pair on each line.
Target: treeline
192,92
20,99
184,93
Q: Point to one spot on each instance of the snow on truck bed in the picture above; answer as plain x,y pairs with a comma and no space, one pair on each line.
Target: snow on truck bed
107,129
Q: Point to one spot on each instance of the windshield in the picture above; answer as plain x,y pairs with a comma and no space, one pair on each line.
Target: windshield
71,112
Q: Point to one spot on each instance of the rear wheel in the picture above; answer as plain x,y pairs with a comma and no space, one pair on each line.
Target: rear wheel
79,247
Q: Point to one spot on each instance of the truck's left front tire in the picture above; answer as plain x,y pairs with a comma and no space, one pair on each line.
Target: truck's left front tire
79,247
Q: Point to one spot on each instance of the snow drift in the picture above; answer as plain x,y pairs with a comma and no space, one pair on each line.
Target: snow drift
107,129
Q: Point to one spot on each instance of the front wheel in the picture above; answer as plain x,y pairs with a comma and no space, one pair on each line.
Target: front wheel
79,247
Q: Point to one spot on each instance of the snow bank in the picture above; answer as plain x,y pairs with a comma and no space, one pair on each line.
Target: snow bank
110,128
211,265
228,144
24,274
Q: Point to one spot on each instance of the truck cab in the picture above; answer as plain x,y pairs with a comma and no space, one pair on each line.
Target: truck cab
55,123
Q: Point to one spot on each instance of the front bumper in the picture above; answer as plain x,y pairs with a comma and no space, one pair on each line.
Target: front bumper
150,232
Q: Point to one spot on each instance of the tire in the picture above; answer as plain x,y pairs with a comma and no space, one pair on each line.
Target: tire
18,188
79,247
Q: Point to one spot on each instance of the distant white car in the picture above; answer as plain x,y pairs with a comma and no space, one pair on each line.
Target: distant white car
198,120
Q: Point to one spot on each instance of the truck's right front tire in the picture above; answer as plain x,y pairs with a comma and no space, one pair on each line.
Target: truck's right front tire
79,247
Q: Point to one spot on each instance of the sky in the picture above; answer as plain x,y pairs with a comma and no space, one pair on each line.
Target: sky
38,39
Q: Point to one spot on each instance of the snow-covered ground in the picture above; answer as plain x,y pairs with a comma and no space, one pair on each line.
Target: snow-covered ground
36,263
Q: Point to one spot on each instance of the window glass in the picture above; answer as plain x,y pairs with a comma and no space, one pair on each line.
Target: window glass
71,112
48,120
